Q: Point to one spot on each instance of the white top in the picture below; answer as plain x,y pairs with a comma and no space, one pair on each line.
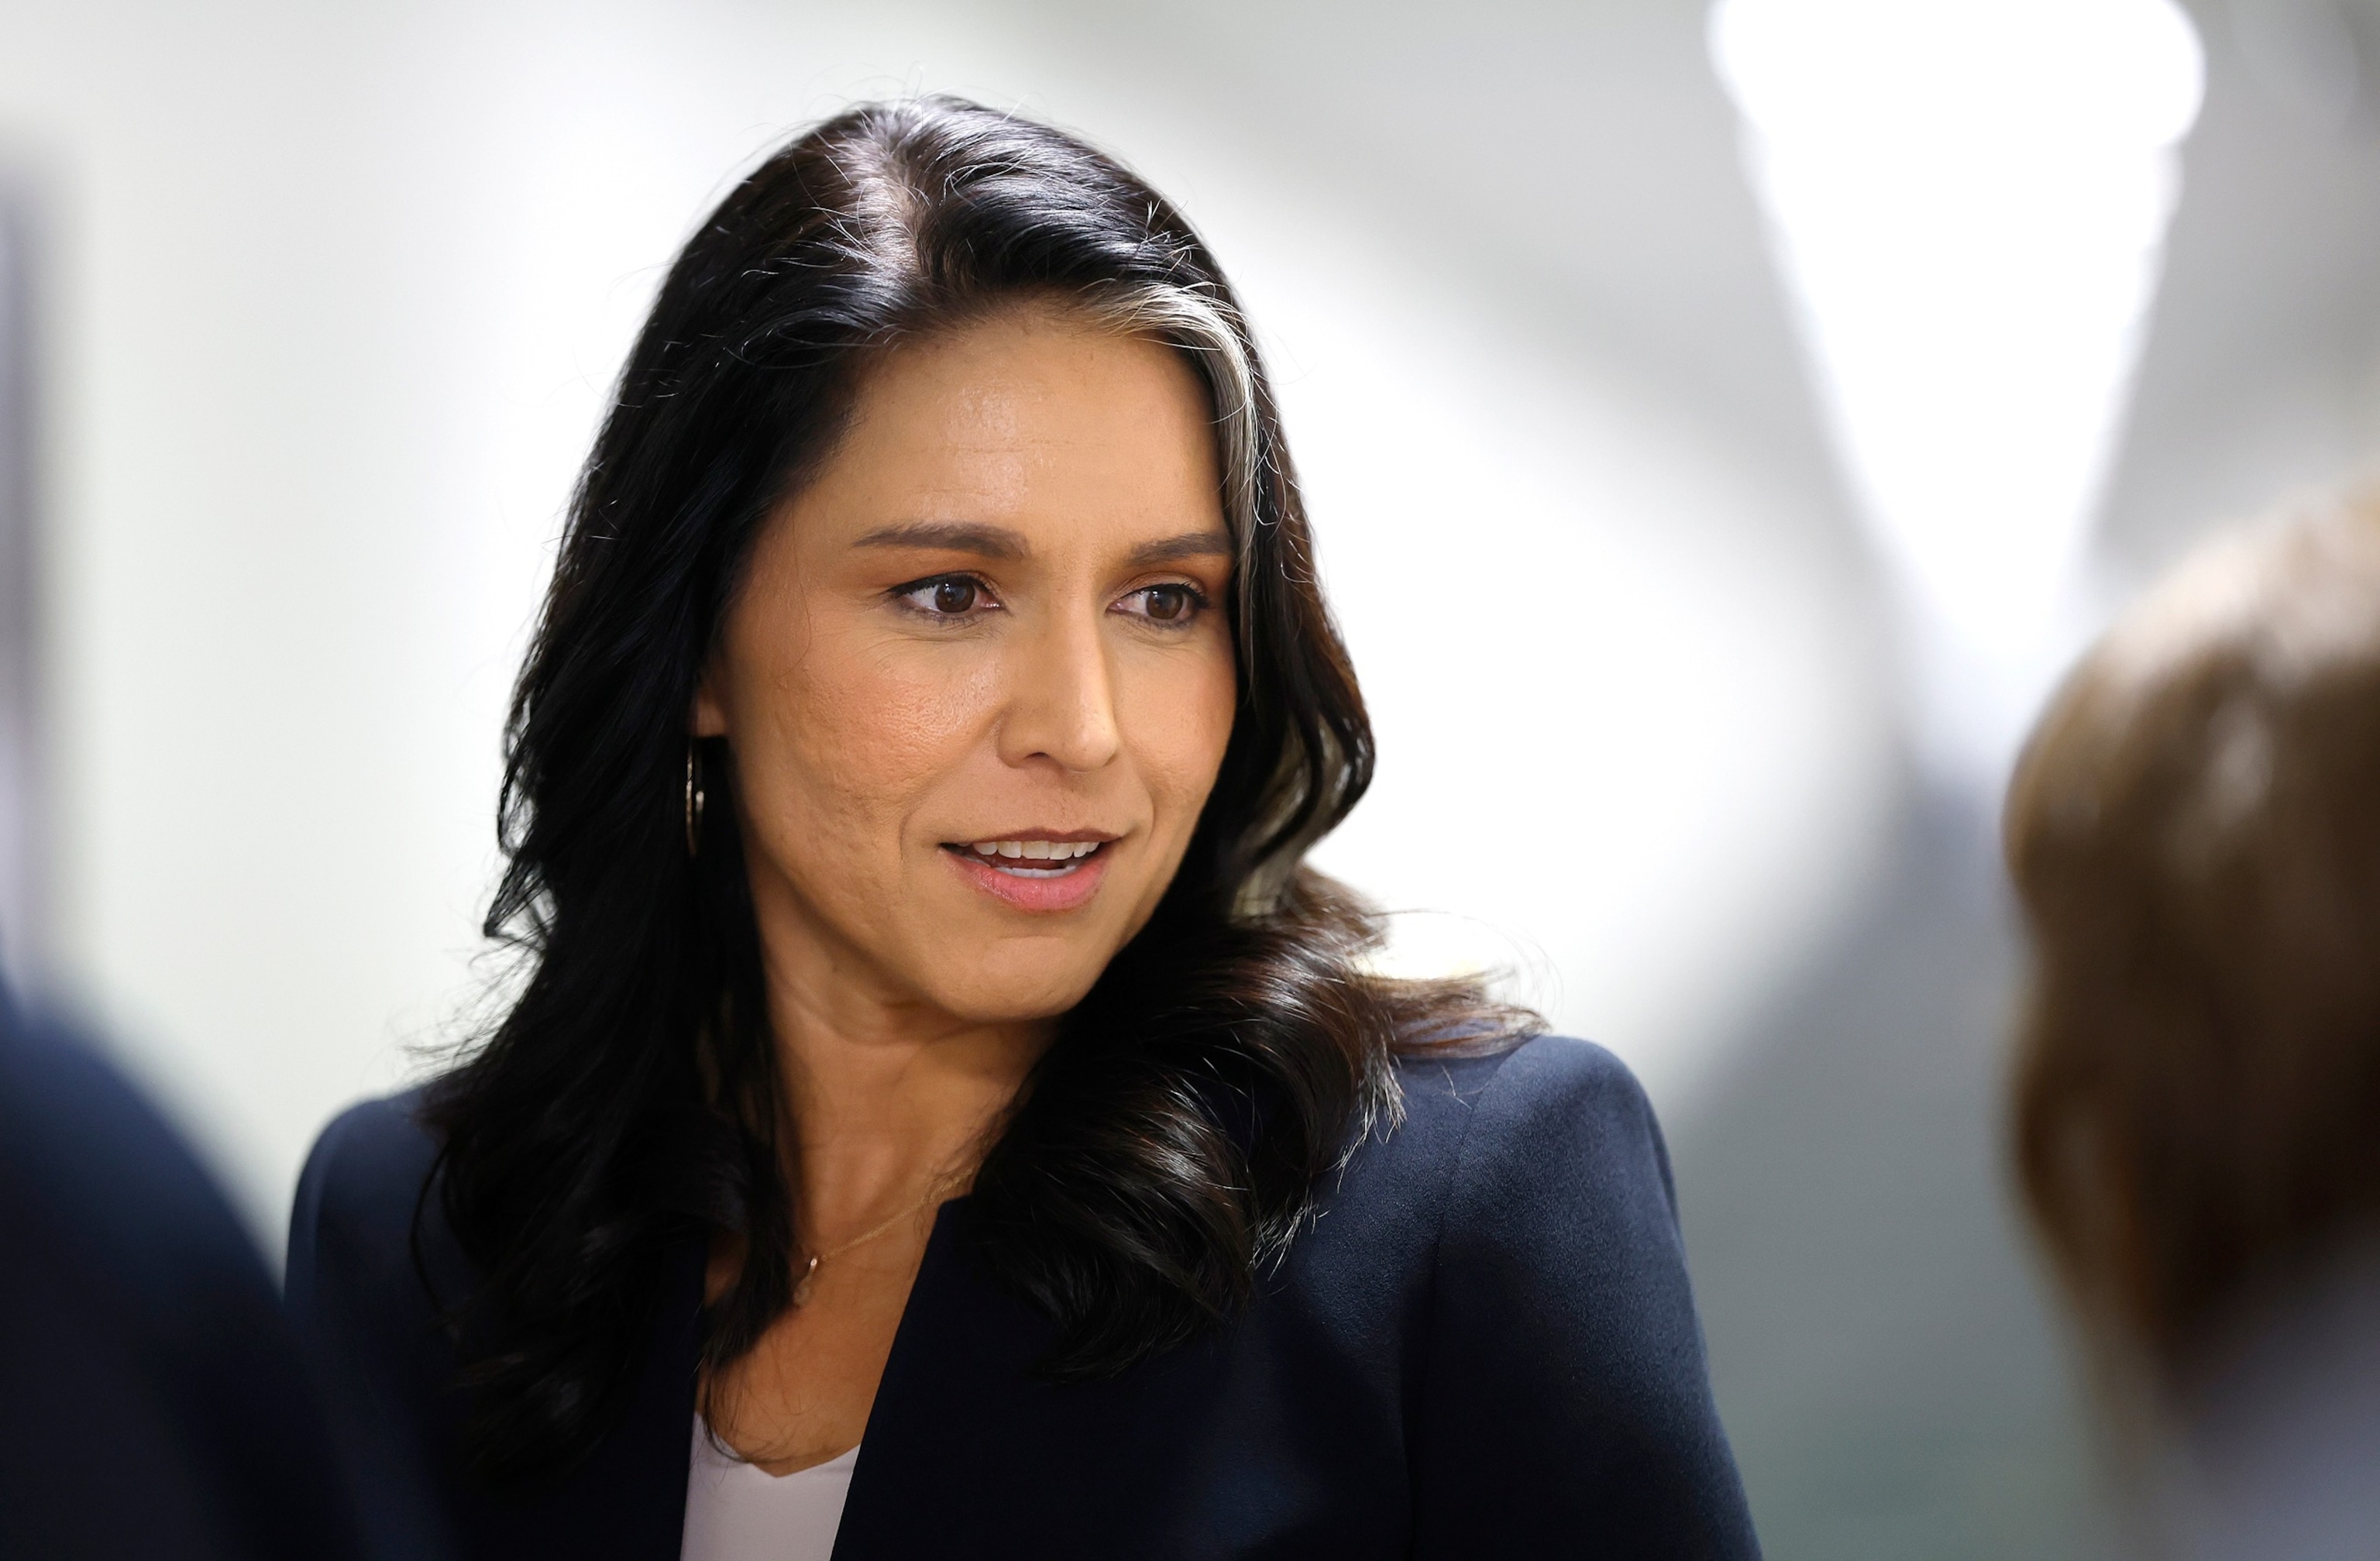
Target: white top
738,1512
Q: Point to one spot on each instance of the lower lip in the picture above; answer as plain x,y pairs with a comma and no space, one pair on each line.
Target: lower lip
1065,891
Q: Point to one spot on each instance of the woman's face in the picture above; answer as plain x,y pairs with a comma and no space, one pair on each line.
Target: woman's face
979,679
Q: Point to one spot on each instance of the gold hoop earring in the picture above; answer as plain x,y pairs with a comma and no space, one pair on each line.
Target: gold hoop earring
693,802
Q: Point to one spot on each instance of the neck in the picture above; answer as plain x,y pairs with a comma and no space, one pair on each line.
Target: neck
888,1096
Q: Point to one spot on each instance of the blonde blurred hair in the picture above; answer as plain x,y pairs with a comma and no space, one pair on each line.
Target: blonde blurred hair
2194,834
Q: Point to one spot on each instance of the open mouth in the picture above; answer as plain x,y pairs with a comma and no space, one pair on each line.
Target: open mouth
1031,859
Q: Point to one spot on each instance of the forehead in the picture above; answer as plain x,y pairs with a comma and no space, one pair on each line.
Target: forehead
1031,415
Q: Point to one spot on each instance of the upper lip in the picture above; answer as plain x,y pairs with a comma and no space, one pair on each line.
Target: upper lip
1069,836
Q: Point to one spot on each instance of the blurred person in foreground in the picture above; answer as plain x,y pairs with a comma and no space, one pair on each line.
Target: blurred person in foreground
943,1114
153,1403
2194,833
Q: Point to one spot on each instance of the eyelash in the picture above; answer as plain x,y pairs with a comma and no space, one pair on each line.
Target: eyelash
1196,599
901,594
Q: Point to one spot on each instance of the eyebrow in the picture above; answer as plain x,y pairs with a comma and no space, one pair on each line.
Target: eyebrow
946,536
998,541
1190,544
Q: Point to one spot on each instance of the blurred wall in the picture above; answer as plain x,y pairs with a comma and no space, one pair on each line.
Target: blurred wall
21,862
1897,1379
2262,374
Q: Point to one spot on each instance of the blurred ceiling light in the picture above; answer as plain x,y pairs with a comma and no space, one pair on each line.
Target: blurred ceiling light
1968,199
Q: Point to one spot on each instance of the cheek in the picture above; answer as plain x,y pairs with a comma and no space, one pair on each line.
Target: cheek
868,734
1181,745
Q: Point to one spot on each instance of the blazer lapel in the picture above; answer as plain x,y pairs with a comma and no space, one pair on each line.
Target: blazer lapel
627,1501
969,1454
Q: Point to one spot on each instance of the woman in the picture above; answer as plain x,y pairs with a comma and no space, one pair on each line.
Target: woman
943,1116
2194,836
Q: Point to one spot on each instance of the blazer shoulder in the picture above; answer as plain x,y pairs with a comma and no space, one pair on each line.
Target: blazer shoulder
1566,1080
1501,1143
1564,1127
373,1156
371,1303
1567,1398
364,1181
1545,1087
1563,1072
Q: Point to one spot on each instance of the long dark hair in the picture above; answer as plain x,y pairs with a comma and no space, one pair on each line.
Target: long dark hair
1163,1148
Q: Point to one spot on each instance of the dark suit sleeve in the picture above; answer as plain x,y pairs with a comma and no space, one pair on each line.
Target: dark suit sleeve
376,1303
1566,1406
367,1313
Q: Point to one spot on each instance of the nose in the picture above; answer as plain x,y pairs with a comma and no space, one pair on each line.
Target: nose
1062,701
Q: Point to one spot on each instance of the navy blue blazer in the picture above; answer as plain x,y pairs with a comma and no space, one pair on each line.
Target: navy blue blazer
153,1402
1484,1346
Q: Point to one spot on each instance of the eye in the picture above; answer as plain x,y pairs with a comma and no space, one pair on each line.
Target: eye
946,596
1172,604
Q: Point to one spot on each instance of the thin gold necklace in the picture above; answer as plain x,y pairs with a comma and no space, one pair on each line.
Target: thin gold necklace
807,1282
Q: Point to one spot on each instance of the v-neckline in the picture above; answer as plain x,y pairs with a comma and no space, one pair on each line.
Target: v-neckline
680,1327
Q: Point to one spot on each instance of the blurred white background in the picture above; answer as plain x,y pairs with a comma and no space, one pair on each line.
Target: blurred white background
324,303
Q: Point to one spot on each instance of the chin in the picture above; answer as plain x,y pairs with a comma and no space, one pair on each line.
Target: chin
1001,993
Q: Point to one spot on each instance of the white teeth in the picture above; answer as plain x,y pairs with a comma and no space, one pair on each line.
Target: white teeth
1036,851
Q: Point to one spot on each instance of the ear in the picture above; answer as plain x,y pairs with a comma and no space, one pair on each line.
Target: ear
708,718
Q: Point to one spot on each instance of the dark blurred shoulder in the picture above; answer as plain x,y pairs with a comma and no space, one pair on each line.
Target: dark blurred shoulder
139,1331
98,1160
